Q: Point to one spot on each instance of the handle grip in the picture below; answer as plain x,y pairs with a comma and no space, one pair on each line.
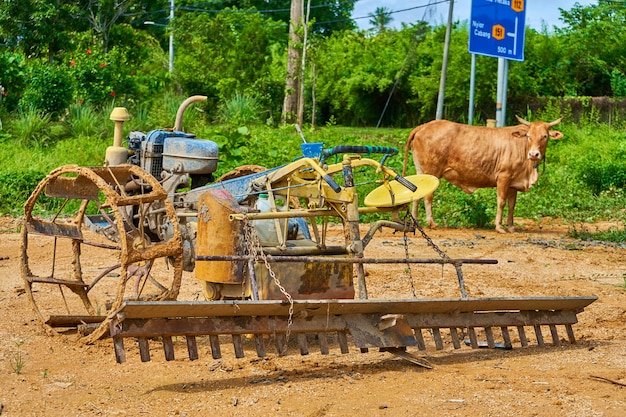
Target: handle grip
408,184
336,187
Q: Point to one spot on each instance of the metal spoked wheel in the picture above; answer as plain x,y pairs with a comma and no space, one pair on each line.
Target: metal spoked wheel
132,249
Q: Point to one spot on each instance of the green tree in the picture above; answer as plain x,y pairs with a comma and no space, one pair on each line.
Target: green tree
381,18
329,16
356,74
39,27
49,89
12,79
222,54
594,39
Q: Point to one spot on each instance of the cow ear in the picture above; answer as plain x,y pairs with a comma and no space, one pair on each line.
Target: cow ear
519,133
555,134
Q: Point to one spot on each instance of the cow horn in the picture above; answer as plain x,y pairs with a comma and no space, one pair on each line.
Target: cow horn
522,121
556,122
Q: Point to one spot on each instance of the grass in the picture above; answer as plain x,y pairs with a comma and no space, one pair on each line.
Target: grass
611,235
17,362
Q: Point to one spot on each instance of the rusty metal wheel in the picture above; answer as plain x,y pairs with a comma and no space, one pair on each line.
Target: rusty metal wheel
75,275
241,171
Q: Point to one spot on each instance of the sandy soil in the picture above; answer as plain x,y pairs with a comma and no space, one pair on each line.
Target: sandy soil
42,375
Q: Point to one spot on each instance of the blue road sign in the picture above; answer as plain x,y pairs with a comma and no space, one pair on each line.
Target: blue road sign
497,28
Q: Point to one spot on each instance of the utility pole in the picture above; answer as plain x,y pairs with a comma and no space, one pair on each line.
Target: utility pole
171,66
292,83
300,117
444,65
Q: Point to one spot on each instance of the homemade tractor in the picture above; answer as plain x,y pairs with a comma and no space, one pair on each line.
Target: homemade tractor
257,242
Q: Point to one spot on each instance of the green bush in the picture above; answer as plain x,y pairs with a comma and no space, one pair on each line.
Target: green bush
83,120
15,188
101,77
12,80
604,176
239,110
31,127
49,90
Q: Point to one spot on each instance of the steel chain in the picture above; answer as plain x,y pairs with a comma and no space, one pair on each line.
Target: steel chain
436,248
405,239
429,241
255,250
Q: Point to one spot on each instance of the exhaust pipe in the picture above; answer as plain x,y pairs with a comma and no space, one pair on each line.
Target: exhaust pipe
178,124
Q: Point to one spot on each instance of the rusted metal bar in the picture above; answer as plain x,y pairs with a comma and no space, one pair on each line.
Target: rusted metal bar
46,228
279,258
56,281
399,227
72,321
330,308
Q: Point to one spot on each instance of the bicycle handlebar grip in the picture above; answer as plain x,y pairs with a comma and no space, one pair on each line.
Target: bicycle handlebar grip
360,149
336,187
408,184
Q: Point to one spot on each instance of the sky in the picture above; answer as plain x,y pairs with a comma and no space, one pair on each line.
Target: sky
537,11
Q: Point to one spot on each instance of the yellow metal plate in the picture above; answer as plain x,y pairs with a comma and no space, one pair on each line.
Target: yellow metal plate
395,194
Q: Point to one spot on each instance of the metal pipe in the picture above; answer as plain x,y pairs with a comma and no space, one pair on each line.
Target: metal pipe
178,124
304,213
316,259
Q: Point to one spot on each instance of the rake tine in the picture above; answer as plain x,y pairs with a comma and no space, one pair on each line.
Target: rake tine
302,343
506,337
259,342
522,336
455,338
192,348
540,341
238,345
555,335
216,351
144,349
168,348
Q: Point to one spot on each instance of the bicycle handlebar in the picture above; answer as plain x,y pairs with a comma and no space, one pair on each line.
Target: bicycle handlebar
388,150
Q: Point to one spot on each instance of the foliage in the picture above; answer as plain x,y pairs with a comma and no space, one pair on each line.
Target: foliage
39,28
239,110
380,19
49,90
17,362
593,44
611,235
98,76
356,90
83,120
226,53
329,16
234,146
31,128
15,187
599,164
12,79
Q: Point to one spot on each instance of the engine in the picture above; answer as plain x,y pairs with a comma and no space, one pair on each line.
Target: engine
171,153
180,162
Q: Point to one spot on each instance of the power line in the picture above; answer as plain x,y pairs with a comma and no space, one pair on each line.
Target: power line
201,9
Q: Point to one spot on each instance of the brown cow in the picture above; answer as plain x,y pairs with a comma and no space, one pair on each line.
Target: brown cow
473,157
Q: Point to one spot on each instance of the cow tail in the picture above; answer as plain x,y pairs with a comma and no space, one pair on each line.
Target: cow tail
409,141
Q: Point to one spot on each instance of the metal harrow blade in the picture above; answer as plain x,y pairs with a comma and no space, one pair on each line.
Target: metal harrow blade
383,324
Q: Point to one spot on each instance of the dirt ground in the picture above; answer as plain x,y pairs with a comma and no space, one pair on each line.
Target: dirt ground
43,375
